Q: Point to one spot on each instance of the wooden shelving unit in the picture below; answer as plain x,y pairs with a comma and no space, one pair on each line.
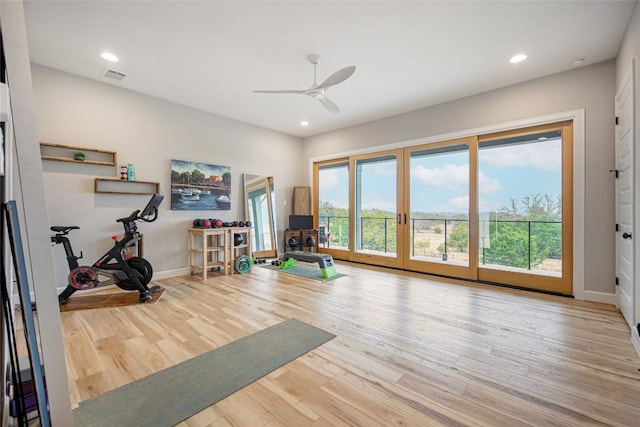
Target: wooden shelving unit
215,248
301,237
208,248
65,153
119,186
96,157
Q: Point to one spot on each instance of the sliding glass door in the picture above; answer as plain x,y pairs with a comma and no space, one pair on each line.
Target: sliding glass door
440,185
525,214
375,215
496,208
332,207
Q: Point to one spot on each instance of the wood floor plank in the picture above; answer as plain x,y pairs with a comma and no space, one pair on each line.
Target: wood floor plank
410,350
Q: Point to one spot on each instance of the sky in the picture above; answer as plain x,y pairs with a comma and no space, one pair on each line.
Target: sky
439,182
208,170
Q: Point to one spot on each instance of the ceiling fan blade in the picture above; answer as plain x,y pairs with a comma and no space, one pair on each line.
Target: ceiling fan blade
278,91
338,77
329,105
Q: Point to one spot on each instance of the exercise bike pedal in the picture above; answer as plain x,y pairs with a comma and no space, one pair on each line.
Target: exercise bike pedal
145,297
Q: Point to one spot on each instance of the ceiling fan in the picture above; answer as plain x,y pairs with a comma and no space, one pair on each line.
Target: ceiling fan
318,91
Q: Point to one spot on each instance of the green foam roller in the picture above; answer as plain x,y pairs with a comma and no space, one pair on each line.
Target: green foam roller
243,264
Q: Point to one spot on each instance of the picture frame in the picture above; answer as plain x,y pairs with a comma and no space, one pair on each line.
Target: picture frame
200,186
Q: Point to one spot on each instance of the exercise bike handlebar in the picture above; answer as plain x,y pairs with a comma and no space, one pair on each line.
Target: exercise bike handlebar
135,216
149,213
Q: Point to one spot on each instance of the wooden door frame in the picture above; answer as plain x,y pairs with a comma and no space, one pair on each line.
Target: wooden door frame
444,269
400,222
562,284
340,254
577,116
267,183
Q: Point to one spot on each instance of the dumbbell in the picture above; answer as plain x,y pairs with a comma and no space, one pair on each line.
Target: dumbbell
202,223
216,223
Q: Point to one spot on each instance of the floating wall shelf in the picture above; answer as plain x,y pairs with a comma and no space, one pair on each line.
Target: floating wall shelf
119,186
66,153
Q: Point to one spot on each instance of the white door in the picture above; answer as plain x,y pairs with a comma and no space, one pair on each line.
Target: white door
625,262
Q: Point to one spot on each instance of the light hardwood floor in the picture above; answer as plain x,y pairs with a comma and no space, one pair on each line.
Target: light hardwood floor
409,351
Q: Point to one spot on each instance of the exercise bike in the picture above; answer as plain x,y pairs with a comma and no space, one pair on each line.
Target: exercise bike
129,274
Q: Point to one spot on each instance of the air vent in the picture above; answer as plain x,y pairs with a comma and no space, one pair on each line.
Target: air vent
113,74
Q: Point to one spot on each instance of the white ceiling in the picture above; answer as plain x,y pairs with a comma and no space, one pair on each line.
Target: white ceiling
212,55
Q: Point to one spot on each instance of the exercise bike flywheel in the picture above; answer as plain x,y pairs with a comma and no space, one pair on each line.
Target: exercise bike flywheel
83,278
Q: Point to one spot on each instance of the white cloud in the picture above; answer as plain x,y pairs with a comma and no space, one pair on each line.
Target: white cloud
459,203
541,155
329,179
452,177
448,176
487,185
384,169
376,201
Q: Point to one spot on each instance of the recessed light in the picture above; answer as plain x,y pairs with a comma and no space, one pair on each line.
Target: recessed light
109,57
518,58
577,62
304,123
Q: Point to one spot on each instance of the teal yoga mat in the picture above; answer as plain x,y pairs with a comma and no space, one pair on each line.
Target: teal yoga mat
181,391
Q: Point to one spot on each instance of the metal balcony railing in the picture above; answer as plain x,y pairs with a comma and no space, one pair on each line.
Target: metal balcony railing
385,242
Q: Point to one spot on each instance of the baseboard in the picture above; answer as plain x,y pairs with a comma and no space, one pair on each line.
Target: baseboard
635,339
167,274
602,297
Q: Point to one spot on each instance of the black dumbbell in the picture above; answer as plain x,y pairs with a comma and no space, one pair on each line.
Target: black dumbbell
202,223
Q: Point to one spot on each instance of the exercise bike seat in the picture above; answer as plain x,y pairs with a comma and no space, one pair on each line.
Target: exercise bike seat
64,229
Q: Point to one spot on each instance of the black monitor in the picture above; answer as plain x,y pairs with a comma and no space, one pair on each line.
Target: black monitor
152,206
300,222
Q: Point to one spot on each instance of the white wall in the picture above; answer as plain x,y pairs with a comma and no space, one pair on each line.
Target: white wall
150,133
590,88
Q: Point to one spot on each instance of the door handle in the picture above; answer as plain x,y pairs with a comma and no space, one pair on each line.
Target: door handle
626,235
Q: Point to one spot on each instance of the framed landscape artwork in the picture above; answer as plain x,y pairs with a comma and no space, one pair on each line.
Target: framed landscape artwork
200,186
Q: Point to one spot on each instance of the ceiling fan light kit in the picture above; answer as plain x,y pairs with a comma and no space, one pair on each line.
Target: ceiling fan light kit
318,91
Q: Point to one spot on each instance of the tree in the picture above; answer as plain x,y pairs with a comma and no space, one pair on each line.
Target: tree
336,222
226,180
527,232
459,237
513,246
197,176
422,244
